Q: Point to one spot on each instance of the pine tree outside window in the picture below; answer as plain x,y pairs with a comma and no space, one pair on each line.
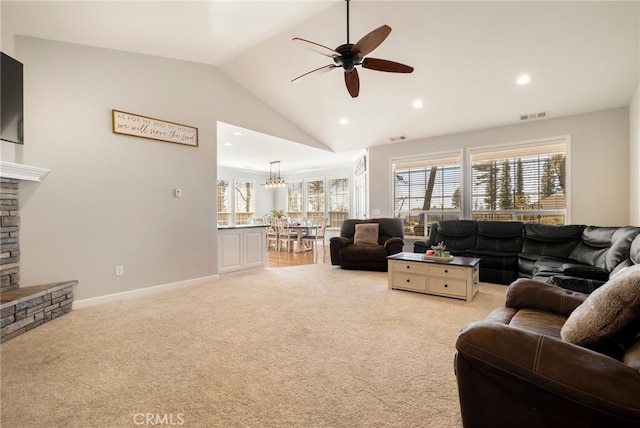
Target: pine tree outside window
525,182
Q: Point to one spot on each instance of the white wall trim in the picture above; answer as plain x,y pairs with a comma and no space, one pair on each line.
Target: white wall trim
125,295
22,172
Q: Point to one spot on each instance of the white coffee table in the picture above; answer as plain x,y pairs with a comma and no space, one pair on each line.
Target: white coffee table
457,278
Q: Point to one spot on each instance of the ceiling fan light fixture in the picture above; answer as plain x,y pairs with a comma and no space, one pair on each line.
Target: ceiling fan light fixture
349,55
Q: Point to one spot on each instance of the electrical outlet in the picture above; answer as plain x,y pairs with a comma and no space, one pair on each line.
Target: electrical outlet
177,193
119,270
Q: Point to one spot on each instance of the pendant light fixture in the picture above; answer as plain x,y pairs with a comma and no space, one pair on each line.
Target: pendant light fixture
274,181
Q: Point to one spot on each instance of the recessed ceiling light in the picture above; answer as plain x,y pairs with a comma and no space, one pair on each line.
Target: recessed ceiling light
227,143
344,121
237,133
523,79
417,104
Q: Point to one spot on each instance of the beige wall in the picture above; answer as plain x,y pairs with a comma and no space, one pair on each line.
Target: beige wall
634,159
599,166
108,200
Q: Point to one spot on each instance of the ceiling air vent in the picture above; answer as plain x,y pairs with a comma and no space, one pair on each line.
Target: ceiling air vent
400,138
530,116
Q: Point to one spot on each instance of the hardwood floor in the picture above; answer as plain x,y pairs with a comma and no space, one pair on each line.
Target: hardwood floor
288,258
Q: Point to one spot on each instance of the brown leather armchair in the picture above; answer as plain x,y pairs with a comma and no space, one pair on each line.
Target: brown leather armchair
514,370
348,254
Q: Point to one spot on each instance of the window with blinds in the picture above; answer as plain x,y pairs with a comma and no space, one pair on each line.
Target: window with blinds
427,190
525,182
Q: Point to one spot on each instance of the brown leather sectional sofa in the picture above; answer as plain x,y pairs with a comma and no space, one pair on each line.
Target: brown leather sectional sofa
520,368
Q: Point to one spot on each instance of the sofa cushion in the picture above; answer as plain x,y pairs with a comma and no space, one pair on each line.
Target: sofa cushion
609,312
585,271
604,247
551,241
366,234
504,236
457,234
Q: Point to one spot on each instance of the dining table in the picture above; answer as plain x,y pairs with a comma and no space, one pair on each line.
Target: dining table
302,230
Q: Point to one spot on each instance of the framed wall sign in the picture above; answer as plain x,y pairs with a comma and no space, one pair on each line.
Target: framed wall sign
153,129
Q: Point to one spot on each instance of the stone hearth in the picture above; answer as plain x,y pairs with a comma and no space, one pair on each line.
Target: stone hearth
23,308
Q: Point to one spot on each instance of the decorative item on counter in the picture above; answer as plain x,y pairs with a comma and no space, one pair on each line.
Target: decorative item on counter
438,249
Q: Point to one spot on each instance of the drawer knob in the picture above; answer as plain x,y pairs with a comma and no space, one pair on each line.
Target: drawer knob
408,280
408,267
446,271
446,285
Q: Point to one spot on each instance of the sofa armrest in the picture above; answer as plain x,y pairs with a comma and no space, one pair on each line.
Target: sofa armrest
336,243
569,372
394,245
340,241
528,293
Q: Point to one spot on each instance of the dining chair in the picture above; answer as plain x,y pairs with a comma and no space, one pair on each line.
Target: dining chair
320,225
272,236
285,235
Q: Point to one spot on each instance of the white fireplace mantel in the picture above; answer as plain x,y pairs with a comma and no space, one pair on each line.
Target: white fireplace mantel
20,171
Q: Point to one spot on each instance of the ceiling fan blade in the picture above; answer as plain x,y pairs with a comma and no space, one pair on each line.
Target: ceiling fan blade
320,70
353,83
323,50
386,65
371,41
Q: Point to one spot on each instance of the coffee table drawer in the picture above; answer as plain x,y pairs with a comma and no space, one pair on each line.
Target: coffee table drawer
447,271
409,281
407,267
447,286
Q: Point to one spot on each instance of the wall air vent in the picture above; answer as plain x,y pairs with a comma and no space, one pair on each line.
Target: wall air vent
396,139
530,116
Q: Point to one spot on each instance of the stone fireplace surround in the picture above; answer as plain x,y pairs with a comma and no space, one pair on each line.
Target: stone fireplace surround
22,309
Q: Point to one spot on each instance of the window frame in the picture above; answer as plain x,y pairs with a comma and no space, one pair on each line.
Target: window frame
520,214
229,212
411,217
251,201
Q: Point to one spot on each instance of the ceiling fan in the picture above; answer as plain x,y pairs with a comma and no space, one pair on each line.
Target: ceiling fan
348,56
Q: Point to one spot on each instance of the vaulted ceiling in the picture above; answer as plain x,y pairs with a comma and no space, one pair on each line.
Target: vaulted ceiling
581,57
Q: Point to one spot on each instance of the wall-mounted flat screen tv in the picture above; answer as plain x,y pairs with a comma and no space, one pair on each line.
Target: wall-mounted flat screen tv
11,100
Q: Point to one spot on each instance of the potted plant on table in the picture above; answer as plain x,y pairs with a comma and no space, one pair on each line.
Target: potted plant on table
439,249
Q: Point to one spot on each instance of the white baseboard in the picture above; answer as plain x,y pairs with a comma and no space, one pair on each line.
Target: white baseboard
85,303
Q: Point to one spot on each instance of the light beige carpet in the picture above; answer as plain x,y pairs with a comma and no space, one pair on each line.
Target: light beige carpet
306,346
